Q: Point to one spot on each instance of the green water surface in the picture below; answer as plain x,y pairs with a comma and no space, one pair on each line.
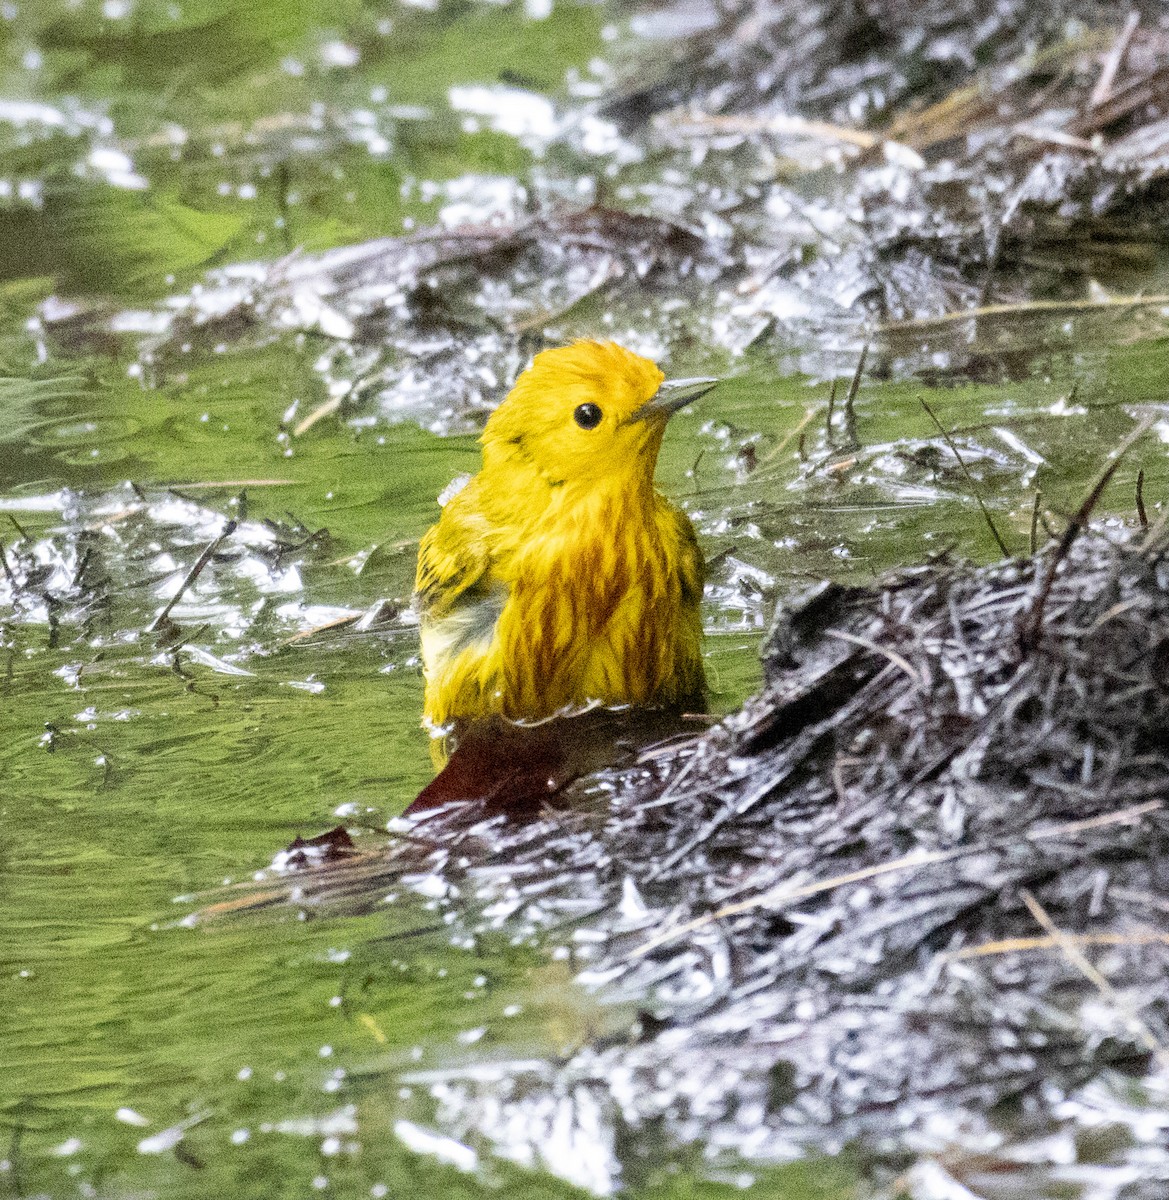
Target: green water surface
138,777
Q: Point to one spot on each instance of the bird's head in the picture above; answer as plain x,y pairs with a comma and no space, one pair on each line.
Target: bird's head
587,412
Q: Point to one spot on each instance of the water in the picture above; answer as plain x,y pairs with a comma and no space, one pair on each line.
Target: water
145,403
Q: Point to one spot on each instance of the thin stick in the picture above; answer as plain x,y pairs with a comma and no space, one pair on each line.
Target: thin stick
1112,62
1016,944
831,410
1029,306
850,399
969,479
191,576
1035,523
1079,960
1142,516
339,623
79,574
1138,92
1032,624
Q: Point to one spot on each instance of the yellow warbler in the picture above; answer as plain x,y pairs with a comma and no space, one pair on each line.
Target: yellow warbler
558,575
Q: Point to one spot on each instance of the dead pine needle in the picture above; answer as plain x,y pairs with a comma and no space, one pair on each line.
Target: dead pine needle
163,617
1018,945
318,414
1071,951
896,659
213,485
8,571
1142,515
794,435
1031,626
1034,543
1120,816
1113,61
969,479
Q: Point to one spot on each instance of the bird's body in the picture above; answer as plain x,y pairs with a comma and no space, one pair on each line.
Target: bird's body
558,576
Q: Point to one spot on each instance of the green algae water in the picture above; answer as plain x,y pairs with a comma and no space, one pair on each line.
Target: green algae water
165,169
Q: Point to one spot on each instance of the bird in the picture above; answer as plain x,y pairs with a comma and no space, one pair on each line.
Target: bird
558,577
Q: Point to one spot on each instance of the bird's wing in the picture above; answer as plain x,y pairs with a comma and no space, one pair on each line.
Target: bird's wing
453,560
458,599
691,569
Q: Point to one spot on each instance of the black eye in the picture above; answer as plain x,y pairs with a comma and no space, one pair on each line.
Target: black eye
587,416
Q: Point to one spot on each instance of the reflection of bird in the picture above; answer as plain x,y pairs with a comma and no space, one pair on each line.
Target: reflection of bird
557,575
519,767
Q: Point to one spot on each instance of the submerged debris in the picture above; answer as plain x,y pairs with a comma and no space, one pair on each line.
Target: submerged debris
128,565
922,873
325,847
434,325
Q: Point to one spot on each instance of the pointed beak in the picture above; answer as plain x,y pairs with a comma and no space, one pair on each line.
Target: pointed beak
673,395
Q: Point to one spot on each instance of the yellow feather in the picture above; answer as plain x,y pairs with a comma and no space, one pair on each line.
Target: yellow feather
558,576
